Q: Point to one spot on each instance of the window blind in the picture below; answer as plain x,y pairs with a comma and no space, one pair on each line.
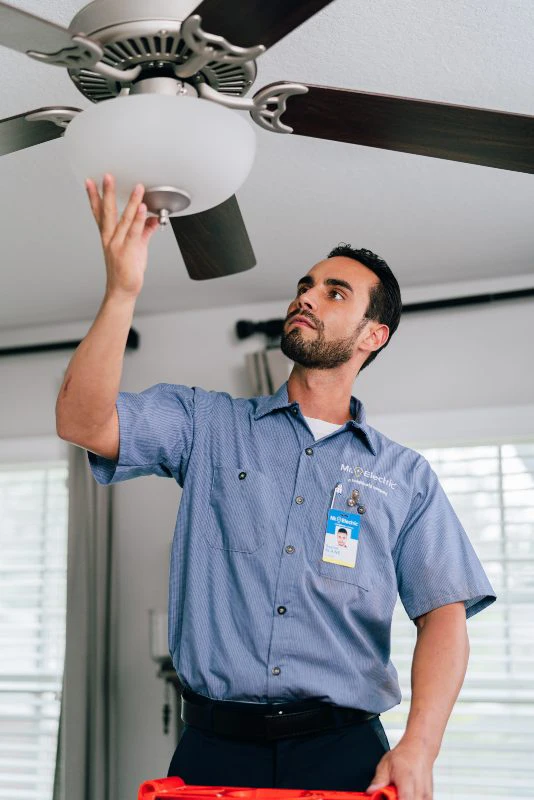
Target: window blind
487,748
33,566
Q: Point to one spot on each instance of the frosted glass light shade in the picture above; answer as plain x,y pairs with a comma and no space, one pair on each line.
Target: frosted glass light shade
160,140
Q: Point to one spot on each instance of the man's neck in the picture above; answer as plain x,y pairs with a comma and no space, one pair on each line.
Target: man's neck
322,394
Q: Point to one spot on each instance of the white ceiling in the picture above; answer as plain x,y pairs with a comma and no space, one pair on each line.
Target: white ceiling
434,221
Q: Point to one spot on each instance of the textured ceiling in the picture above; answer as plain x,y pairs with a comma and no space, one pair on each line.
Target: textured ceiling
435,222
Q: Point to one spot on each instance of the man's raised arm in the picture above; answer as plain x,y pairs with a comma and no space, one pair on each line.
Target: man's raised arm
85,410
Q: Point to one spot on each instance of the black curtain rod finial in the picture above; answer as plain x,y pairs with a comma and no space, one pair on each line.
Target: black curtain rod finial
272,328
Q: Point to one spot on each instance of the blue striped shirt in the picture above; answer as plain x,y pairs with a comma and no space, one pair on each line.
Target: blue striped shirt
255,613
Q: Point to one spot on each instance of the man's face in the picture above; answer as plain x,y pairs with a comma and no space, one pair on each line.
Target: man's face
342,538
326,320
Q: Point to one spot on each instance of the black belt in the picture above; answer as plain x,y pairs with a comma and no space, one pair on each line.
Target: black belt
265,721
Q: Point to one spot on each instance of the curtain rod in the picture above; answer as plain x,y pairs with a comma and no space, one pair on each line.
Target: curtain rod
245,328
132,343
468,300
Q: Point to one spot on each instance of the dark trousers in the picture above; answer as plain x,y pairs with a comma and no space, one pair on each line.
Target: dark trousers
343,759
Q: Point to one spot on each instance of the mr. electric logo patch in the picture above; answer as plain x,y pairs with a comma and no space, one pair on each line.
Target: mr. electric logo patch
369,475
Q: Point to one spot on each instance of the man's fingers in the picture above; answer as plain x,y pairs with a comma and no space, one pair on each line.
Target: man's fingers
381,778
142,227
406,789
151,225
108,220
137,225
129,215
94,199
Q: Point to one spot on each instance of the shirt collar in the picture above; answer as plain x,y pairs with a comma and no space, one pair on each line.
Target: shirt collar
280,400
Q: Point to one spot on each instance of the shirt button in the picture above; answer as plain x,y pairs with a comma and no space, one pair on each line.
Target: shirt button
299,500
361,509
276,670
290,549
294,410
309,451
242,476
281,610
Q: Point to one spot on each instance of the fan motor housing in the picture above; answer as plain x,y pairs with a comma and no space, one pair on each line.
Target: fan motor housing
137,32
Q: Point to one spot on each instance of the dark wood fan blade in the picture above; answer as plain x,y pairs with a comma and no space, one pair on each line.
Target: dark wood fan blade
215,242
17,133
22,31
458,133
249,22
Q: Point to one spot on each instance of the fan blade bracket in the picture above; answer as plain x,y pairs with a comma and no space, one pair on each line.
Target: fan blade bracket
271,102
83,53
34,127
207,92
120,75
208,47
266,107
59,116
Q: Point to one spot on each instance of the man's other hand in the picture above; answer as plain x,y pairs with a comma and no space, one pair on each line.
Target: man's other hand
408,768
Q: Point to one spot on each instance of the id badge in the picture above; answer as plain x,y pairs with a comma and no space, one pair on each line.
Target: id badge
341,538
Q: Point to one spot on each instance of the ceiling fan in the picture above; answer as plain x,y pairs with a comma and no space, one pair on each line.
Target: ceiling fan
208,50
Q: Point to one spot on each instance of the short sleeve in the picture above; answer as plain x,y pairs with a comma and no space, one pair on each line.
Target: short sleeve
156,435
434,560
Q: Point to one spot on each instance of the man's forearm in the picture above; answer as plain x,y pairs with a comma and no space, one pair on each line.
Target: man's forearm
438,671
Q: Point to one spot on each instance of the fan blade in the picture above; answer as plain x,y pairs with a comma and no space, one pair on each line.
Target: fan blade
17,133
45,41
22,31
249,22
215,242
458,133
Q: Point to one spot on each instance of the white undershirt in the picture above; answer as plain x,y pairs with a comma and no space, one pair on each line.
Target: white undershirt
320,428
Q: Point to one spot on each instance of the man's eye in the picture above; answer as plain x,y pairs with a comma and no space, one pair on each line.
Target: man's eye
301,289
336,295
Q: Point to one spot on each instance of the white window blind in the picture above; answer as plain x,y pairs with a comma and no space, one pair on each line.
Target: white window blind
487,748
33,566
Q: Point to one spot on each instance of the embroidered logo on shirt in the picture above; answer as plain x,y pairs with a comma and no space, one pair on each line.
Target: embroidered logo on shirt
369,475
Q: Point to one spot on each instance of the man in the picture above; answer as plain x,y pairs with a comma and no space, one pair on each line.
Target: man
284,651
341,536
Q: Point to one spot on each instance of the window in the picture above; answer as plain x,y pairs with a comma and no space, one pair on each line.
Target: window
33,567
487,748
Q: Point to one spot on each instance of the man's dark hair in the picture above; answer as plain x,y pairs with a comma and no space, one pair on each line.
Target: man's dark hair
385,304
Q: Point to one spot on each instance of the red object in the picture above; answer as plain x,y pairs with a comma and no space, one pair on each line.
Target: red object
176,789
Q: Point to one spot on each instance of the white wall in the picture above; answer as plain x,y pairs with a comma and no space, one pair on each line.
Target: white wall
472,359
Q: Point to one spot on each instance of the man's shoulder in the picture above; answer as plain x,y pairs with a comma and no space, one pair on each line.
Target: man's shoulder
213,398
385,445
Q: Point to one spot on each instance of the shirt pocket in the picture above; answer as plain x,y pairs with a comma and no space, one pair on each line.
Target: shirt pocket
357,575
241,509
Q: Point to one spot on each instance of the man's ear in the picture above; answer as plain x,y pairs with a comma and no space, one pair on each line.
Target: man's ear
375,338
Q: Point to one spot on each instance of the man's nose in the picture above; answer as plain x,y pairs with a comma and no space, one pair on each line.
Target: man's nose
307,301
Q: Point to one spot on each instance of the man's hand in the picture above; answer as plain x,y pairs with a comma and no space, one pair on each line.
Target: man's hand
409,768
125,241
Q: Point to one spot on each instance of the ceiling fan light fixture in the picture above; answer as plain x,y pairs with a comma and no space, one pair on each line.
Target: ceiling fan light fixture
199,148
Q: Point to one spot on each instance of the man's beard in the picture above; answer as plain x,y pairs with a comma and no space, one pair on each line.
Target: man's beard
318,354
